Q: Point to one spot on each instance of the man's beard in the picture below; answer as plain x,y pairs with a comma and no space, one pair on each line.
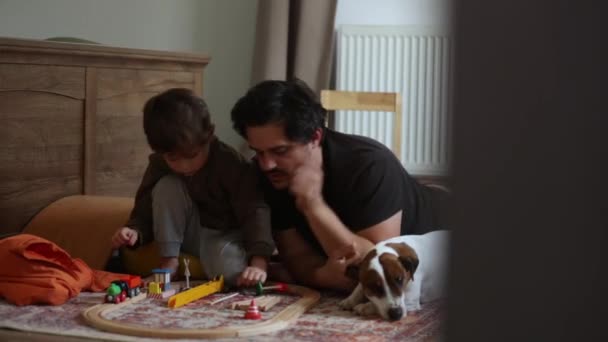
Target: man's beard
277,176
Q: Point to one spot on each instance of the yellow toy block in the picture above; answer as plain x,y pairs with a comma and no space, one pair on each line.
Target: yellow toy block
154,287
195,293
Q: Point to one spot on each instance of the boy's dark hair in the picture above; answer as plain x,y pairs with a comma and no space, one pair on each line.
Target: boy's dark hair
176,120
291,103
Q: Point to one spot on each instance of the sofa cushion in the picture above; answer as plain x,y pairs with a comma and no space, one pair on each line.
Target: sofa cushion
82,225
142,260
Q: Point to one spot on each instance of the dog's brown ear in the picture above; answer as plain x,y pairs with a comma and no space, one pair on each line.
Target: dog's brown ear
410,263
352,272
407,257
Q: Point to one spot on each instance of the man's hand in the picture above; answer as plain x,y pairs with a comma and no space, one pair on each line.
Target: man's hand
348,254
251,276
335,267
306,183
124,236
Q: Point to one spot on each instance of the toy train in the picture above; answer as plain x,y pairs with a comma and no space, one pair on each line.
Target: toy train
120,290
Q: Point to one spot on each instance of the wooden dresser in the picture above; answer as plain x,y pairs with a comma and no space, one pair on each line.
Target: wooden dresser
71,120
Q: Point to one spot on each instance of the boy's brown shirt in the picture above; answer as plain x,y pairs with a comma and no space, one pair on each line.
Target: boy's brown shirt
226,191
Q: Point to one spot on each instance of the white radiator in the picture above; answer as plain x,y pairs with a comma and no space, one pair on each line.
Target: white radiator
414,61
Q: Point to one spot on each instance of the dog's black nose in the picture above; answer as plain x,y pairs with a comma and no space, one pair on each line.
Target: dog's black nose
395,313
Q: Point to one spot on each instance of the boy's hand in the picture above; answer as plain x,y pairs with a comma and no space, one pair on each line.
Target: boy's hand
251,276
254,273
124,236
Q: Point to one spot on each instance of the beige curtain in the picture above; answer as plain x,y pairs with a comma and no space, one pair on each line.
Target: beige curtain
294,38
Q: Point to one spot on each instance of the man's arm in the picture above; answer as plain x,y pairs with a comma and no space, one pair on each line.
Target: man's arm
376,198
309,267
333,235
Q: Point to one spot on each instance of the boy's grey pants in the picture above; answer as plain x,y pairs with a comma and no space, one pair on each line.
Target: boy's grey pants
177,226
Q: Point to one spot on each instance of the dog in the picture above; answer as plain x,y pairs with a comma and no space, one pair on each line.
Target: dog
398,274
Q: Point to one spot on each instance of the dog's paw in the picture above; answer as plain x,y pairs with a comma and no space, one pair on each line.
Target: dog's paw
365,309
347,304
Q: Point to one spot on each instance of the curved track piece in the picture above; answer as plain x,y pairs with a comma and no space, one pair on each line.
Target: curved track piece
94,317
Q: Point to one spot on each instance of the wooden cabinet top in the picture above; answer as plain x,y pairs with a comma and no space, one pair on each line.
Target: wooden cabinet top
30,51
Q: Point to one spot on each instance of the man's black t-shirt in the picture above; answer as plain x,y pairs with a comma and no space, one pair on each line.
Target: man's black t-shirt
364,183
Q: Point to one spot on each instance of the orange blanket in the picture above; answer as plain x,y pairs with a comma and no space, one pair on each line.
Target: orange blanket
37,271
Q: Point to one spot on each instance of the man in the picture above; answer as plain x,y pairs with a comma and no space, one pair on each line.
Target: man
333,196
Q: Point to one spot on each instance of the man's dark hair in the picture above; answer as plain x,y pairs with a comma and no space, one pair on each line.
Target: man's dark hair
291,103
175,120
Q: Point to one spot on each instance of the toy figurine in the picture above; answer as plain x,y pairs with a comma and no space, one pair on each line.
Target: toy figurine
260,288
253,312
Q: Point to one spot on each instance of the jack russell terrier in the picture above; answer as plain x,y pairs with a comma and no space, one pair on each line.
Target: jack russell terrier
398,274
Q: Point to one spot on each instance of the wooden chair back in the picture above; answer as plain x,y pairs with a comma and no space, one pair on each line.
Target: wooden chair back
367,101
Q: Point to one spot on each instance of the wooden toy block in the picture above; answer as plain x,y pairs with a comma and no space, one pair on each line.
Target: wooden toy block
224,298
264,303
162,295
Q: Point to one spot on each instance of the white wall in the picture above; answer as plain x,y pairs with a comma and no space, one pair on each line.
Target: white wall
393,12
224,29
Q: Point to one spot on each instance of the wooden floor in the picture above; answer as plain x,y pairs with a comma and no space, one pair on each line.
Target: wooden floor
8,335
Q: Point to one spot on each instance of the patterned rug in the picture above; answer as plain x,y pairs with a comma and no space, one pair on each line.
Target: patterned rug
324,322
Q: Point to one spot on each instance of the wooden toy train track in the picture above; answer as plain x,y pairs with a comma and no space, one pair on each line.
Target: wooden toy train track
95,317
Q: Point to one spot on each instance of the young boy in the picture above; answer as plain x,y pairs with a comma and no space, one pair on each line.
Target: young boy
198,195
